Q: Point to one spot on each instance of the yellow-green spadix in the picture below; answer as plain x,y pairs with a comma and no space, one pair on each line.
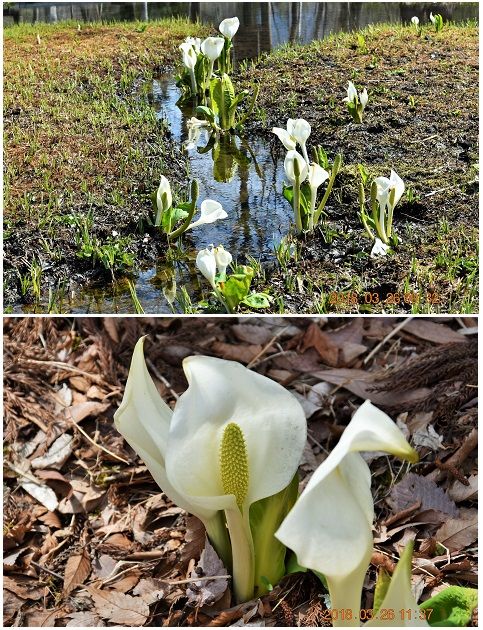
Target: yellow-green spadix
330,526
234,437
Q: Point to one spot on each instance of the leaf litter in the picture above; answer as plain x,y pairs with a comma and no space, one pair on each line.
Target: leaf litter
90,540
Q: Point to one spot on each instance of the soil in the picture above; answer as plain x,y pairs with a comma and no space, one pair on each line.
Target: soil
113,536
421,120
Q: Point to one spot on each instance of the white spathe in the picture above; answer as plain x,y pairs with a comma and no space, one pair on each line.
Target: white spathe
206,263
298,131
363,98
330,526
415,20
195,127
189,55
229,26
143,419
289,166
223,259
270,418
384,187
210,211
195,42
164,188
211,47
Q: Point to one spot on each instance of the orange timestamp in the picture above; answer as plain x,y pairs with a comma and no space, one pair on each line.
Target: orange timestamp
383,614
354,298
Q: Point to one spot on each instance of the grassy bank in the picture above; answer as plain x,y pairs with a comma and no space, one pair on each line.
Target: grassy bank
83,147
422,121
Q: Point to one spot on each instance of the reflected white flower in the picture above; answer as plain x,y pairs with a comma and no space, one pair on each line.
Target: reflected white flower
195,128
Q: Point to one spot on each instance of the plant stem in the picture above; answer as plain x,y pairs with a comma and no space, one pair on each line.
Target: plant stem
296,203
335,170
220,297
218,535
243,554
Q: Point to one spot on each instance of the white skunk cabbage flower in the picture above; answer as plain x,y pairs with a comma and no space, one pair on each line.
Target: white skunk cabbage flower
235,437
379,248
210,212
384,188
189,55
164,199
223,259
399,596
298,131
354,97
316,177
206,263
288,166
195,42
415,20
432,18
229,27
211,47
330,526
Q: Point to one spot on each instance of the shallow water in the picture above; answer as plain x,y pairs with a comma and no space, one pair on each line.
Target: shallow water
258,215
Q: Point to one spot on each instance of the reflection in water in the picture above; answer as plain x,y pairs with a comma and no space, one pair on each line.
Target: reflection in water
263,25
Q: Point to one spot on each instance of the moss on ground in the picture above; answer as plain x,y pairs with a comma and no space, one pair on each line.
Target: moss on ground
81,135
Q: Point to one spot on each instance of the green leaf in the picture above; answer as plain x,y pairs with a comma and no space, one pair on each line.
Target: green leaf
288,194
206,113
172,216
224,94
237,287
382,584
266,517
257,300
451,607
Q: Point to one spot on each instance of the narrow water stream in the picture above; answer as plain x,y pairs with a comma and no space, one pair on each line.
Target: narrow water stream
248,187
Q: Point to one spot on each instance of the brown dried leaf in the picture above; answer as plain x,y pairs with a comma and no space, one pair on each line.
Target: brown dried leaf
85,409
360,382
151,590
458,533
126,582
85,619
323,343
460,492
11,605
414,488
430,331
241,353
119,608
252,334
207,591
77,568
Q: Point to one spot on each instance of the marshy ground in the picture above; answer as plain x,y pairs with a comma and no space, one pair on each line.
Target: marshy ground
84,151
